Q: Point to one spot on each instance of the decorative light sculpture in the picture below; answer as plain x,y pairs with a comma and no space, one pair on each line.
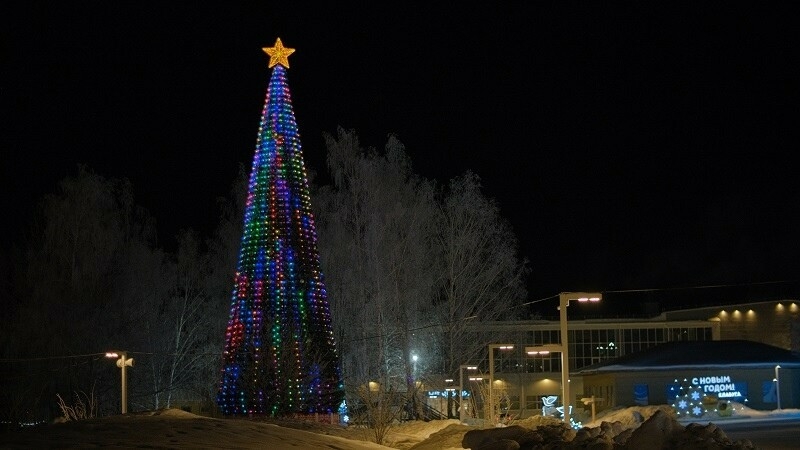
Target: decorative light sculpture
280,356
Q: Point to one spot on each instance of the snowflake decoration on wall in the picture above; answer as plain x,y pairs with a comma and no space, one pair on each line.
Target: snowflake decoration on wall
688,401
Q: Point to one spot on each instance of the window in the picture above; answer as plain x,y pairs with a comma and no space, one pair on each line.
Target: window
533,402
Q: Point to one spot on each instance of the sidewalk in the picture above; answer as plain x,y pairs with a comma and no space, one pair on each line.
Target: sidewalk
748,416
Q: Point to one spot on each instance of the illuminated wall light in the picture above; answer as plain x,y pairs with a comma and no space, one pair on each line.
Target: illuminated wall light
779,307
793,307
737,314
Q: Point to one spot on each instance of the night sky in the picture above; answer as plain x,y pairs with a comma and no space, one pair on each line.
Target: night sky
632,146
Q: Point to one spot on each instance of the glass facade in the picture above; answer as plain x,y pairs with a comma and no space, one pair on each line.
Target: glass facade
591,343
530,382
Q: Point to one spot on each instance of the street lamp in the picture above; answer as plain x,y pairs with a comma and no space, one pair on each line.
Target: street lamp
450,390
778,385
414,358
491,374
542,350
564,299
123,363
461,389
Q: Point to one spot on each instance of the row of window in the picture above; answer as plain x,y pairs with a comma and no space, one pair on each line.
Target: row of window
641,335
589,347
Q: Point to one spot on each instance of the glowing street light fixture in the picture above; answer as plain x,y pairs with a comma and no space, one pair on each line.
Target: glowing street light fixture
491,375
461,405
564,299
123,363
543,349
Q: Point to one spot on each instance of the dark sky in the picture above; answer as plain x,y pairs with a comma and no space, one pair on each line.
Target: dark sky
631,145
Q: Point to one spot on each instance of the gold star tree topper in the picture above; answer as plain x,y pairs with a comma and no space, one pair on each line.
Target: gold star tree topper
278,54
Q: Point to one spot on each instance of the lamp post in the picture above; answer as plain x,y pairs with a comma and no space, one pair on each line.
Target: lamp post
461,388
123,363
564,299
450,398
542,350
491,374
778,385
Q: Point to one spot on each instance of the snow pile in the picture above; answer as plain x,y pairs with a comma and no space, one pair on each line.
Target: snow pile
660,430
172,413
408,434
630,416
173,428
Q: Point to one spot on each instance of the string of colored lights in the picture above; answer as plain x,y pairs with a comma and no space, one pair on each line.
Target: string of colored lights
280,356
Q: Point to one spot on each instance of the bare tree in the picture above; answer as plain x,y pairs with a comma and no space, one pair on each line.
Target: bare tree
95,280
75,253
223,250
378,407
180,337
482,276
184,323
76,257
374,231
144,289
187,310
408,270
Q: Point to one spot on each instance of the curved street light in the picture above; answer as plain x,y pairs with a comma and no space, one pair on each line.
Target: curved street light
564,299
461,405
123,363
491,375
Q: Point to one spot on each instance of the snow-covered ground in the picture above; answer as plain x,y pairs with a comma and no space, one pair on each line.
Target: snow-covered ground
628,416
180,430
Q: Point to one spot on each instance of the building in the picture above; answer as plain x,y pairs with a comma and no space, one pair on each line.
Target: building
752,373
775,323
528,383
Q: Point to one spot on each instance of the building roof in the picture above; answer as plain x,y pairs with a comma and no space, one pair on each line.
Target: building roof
694,354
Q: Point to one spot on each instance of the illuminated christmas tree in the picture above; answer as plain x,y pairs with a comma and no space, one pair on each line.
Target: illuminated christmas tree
280,356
